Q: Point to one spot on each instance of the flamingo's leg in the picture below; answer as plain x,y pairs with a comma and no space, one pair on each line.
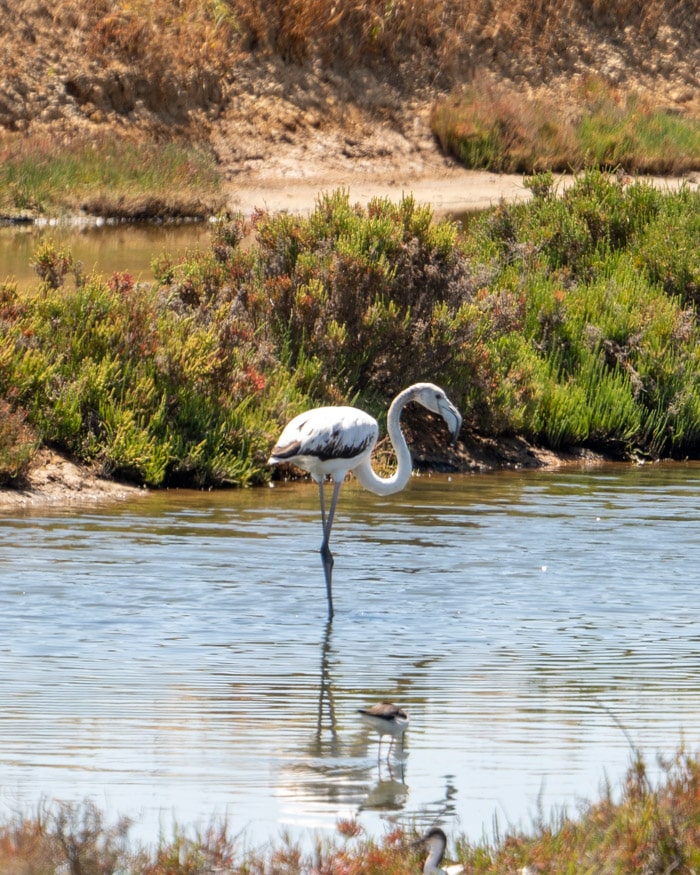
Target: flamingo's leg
326,555
322,497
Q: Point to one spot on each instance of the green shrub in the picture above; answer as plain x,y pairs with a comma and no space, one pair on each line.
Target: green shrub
490,127
669,250
357,290
18,445
120,377
621,366
568,319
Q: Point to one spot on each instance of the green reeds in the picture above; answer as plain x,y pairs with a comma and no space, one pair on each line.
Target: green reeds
107,176
491,128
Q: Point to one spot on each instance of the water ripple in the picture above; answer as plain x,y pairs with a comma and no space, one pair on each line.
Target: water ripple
170,658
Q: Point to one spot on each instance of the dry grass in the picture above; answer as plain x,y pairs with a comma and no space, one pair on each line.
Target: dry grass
195,39
161,69
438,38
167,68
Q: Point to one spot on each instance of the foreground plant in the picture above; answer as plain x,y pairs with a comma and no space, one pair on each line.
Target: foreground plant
650,830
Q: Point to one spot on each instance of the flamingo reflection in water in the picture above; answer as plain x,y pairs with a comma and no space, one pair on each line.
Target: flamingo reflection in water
331,441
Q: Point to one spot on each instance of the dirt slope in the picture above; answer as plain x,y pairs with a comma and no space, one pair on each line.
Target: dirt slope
291,92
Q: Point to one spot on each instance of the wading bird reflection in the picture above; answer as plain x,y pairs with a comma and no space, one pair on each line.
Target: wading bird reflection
331,441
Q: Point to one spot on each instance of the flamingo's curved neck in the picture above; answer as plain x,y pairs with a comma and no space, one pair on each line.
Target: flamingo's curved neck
366,474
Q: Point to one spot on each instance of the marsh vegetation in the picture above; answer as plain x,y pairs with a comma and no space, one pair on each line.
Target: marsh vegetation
569,320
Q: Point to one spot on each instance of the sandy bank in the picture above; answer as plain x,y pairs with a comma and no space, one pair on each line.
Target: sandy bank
450,192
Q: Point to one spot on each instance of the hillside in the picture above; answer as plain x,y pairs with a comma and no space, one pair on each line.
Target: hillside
325,94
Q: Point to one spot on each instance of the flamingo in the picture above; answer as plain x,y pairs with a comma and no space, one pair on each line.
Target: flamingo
331,441
436,840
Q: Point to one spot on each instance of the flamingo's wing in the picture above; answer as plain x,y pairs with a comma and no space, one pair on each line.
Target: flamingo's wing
325,434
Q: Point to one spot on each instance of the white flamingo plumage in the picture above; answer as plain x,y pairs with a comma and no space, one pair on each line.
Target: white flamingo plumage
331,441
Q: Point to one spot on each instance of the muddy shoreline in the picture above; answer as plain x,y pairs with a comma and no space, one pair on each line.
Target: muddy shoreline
55,480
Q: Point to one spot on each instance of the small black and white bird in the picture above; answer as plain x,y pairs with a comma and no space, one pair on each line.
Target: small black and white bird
436,840
386,719
331,441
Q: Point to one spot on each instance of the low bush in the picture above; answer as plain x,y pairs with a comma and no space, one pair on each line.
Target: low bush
569,320
490,127
616,348
139,384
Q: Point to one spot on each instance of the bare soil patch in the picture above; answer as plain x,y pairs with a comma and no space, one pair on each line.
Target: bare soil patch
56,480
449,190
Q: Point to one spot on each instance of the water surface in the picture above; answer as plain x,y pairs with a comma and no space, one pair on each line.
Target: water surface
170,659
102,249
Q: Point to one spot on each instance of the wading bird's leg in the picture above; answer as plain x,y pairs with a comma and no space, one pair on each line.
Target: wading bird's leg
322,498
327,560
328,523
326,554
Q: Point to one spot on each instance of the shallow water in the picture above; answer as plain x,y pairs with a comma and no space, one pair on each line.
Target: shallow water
102,250
170,657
